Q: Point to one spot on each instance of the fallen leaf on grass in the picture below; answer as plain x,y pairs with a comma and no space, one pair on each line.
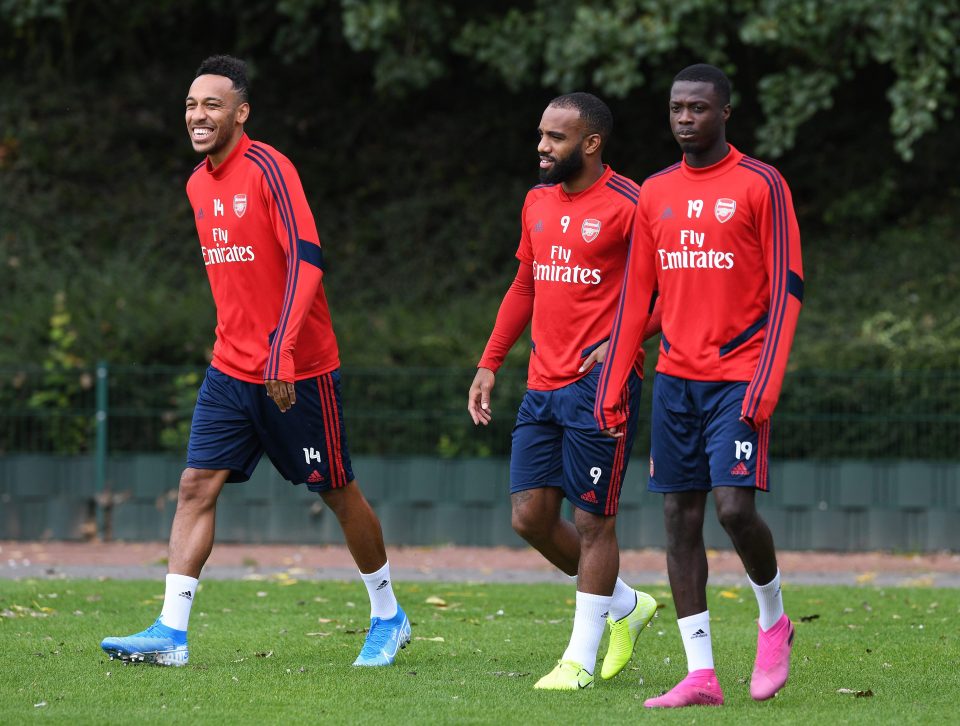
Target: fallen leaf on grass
40,705
438,601
866,577
437,639
511,674
809,618
729,594
856,694
318,635
266,654
324,620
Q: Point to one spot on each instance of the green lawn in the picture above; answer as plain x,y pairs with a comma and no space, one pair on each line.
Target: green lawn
279,651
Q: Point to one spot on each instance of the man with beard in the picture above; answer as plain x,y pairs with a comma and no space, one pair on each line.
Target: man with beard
716,237
575,229
274,383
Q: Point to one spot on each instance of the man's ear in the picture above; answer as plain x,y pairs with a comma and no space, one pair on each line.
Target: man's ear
592,144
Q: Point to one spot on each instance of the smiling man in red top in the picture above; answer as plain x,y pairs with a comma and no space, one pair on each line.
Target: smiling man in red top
573,248
716,236
274,383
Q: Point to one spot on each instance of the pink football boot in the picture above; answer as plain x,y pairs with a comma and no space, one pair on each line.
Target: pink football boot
699,688
772,666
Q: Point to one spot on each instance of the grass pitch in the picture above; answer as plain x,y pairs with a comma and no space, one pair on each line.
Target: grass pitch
279,651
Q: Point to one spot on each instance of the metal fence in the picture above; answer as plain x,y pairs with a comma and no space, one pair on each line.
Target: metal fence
422,411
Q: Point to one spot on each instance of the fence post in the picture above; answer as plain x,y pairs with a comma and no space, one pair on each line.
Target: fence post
100,462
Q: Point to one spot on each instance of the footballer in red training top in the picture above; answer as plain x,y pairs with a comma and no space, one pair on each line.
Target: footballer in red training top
714,235
273,386
575,230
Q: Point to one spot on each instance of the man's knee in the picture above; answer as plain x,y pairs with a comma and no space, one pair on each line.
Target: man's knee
683,514
531,515
595,528
344,499
736,511
200,487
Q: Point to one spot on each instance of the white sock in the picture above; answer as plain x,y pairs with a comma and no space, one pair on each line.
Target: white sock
695,632
770,601
383,603
588,625
178,600
624,600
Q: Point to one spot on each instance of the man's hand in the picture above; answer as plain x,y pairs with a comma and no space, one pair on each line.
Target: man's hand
598,355
615,433
478,400
284,394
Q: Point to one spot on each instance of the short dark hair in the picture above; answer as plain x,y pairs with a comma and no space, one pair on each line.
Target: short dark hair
233,68
706,73
594,113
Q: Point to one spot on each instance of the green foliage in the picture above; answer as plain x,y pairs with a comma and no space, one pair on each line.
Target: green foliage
413,128
63,384
176,430
259,655
617,47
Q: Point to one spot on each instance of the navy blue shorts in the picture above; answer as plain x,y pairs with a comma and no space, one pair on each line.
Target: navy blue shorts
235,423
556,443
698,440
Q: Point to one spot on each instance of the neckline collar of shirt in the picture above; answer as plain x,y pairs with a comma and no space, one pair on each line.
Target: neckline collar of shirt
231,161
604,178
732,158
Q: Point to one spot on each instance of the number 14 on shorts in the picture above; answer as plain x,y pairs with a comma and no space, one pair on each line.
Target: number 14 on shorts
312,454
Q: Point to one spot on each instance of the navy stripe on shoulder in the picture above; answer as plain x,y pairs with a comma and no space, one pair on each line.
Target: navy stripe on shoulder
629,195
758,164
624,186
626,181
669,169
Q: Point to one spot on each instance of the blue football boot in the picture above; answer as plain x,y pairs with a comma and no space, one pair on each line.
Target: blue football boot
384,640
157,644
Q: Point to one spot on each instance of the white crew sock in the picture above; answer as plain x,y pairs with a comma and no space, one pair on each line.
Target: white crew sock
177,601
588,625
624,600
695,633
383,603
770,601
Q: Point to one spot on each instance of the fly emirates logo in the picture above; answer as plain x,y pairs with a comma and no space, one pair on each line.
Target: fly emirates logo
560,270
223,252
691,254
